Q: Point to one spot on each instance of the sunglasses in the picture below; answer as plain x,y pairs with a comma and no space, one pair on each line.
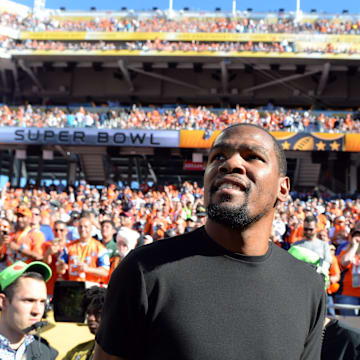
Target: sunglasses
308,229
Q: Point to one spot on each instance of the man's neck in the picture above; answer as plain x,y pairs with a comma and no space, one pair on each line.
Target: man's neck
254,241
106,240
15,338
84,241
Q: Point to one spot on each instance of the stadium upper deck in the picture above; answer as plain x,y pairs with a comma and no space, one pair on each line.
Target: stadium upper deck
182,21
188,58
88,65
178,118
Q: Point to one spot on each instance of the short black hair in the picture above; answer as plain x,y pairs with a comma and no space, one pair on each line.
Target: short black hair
10,289
108,222
279,152
94,298
85,214
60,222
310,218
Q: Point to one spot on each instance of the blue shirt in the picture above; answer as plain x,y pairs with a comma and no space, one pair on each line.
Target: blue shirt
7,353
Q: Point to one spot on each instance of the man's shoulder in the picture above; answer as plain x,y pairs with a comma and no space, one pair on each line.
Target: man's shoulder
299,242
339,337
343,326
72,244
111,245
167,250
96,243
294,268
40,349
36,233
80,351
174,242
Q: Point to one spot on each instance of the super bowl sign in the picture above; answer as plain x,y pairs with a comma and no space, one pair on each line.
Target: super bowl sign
72,136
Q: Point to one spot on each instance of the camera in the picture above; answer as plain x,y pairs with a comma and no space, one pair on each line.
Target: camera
67,301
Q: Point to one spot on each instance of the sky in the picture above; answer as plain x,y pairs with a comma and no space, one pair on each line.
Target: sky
328,6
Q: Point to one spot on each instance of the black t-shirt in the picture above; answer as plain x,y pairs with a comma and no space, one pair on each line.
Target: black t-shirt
341,342
188,298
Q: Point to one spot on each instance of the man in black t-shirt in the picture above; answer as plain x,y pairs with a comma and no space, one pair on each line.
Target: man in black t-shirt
341,341
222,291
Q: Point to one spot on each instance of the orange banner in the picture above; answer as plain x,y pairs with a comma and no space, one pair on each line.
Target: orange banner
352,142
197,138
301,141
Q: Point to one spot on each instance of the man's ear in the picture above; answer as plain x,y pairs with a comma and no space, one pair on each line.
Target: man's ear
284,188
3,301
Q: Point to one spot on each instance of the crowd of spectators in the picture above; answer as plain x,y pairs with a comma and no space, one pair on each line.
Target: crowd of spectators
156,45
159,22
177,118
9,44
124,218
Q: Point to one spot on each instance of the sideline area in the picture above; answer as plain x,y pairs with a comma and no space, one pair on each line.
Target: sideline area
64,336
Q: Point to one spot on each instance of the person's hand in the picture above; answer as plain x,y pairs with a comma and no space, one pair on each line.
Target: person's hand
83,267
38,257
14,246
4,239
54,248
355,240
61,267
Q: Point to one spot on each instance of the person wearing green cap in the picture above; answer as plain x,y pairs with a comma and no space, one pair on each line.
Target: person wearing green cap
22,302
340,341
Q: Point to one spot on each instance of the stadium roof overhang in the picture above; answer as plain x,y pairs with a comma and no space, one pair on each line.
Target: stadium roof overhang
215,80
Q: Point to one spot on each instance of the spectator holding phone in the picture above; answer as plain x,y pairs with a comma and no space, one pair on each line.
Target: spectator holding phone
52,252
350,262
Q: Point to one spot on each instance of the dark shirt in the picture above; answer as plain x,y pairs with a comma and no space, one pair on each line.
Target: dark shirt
189,298
341,342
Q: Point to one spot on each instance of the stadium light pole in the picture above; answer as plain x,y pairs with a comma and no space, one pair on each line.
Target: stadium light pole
298,10
171,9
234,8
39,4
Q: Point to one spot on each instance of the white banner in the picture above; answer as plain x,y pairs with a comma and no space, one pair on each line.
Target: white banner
81,136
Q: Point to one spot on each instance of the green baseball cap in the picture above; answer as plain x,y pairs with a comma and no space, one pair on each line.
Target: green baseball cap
12,272
305,255
313,259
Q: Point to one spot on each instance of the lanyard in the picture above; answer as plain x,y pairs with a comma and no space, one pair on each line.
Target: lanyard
84,251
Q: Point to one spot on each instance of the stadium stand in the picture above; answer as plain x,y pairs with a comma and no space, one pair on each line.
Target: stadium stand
112,115
176,118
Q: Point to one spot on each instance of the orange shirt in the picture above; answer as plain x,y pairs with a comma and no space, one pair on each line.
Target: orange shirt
296,235
93,253
322,221
55,276
29,239
348,288
334,270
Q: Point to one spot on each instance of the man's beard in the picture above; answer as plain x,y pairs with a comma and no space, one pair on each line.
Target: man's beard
235,217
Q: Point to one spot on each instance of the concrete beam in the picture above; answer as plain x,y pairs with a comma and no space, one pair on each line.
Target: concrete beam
165,78
323,79
224,77
124,70
279,81
31,74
